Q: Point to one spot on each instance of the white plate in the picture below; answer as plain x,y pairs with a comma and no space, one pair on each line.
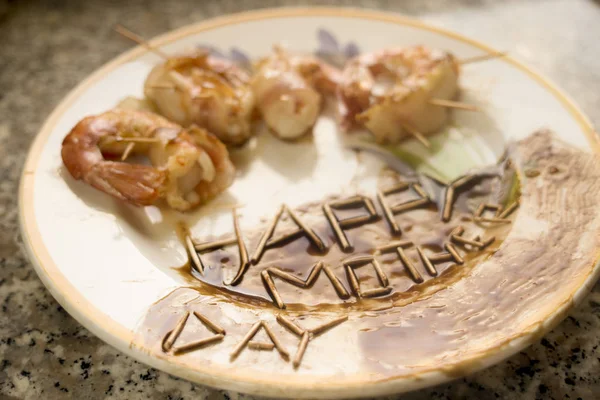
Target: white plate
106,263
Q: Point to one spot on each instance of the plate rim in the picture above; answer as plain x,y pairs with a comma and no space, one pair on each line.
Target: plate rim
121,338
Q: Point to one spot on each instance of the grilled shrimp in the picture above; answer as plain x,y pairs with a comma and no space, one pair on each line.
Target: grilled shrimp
188,166
289,91
388,92
204,90
198,167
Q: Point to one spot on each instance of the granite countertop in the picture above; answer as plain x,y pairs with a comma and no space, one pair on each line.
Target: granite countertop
47,47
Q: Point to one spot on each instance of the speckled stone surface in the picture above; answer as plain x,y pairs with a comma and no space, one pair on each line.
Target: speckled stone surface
47,47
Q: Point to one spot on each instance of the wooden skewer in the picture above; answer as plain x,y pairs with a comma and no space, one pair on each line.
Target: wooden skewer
350,202
409,205
353,280
238,349
370,207
166,87
359,261
493,220
137,139
127,151
244,262
266,236
337,229
389,215
270,285
454,104
396,188
214,245
197,344
392,246
459,230
284,238
240,239
462,240
452,250
480,209
428,265
309,233
488,242
487,206
317,330
120,29
261,346
290,325
174,334
509,210
440,257
420,191
286,276
337,285
282,351
380,291
196,262
485,57
211,325
463,180
314,273
301,350
383,279
418,135
448,200
355,221
449,195
409,266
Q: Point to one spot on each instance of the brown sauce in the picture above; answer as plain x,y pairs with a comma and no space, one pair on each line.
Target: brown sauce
453,323
422,226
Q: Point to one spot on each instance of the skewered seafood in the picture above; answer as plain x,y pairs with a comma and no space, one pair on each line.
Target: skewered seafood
205,90
187,167
393,93
289,91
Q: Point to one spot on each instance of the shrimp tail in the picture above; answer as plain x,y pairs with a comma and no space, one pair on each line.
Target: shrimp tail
141,185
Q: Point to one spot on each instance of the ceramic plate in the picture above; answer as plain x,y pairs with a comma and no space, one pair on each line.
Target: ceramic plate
123,272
